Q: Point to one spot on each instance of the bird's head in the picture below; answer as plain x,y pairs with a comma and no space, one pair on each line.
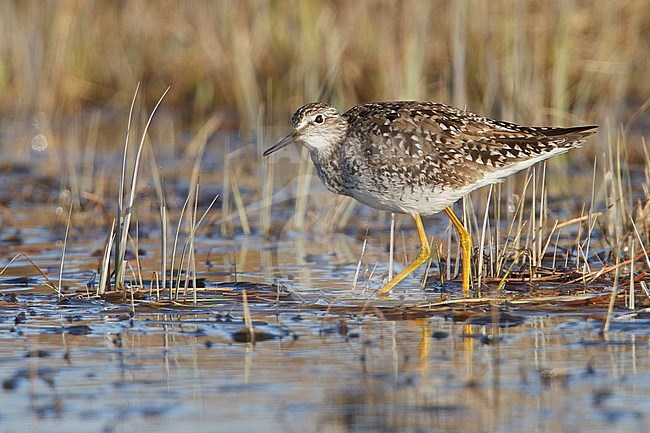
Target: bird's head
319,126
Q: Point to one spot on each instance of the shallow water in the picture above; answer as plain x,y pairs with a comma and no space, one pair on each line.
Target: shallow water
75,364
328,356
87,366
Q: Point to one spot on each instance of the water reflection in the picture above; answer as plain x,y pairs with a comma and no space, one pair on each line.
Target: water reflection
183,371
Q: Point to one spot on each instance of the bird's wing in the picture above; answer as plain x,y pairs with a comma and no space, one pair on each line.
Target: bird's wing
439,143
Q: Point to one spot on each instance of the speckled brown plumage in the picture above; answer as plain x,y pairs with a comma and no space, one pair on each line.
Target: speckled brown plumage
419,157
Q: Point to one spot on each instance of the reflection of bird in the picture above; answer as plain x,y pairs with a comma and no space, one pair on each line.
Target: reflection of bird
419,158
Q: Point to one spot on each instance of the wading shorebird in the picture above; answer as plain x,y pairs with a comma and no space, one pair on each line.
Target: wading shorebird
418,158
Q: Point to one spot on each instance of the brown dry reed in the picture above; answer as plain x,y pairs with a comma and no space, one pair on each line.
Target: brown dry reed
530,61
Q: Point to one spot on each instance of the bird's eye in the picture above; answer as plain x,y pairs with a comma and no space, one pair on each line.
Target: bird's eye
319,118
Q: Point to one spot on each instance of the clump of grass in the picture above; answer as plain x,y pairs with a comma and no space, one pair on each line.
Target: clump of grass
125,214
182,274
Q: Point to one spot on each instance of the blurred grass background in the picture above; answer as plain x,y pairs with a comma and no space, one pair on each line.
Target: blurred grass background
533,61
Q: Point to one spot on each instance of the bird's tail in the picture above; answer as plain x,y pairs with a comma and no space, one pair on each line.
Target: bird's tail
572,137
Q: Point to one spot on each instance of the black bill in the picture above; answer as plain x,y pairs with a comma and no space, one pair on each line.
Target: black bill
291,138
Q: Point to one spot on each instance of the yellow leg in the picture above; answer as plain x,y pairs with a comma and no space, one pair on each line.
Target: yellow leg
424,255
466,248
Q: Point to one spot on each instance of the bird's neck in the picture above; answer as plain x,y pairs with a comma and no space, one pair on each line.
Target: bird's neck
327,162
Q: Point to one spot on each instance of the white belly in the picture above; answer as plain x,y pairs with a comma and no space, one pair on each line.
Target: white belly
397,196
426,201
